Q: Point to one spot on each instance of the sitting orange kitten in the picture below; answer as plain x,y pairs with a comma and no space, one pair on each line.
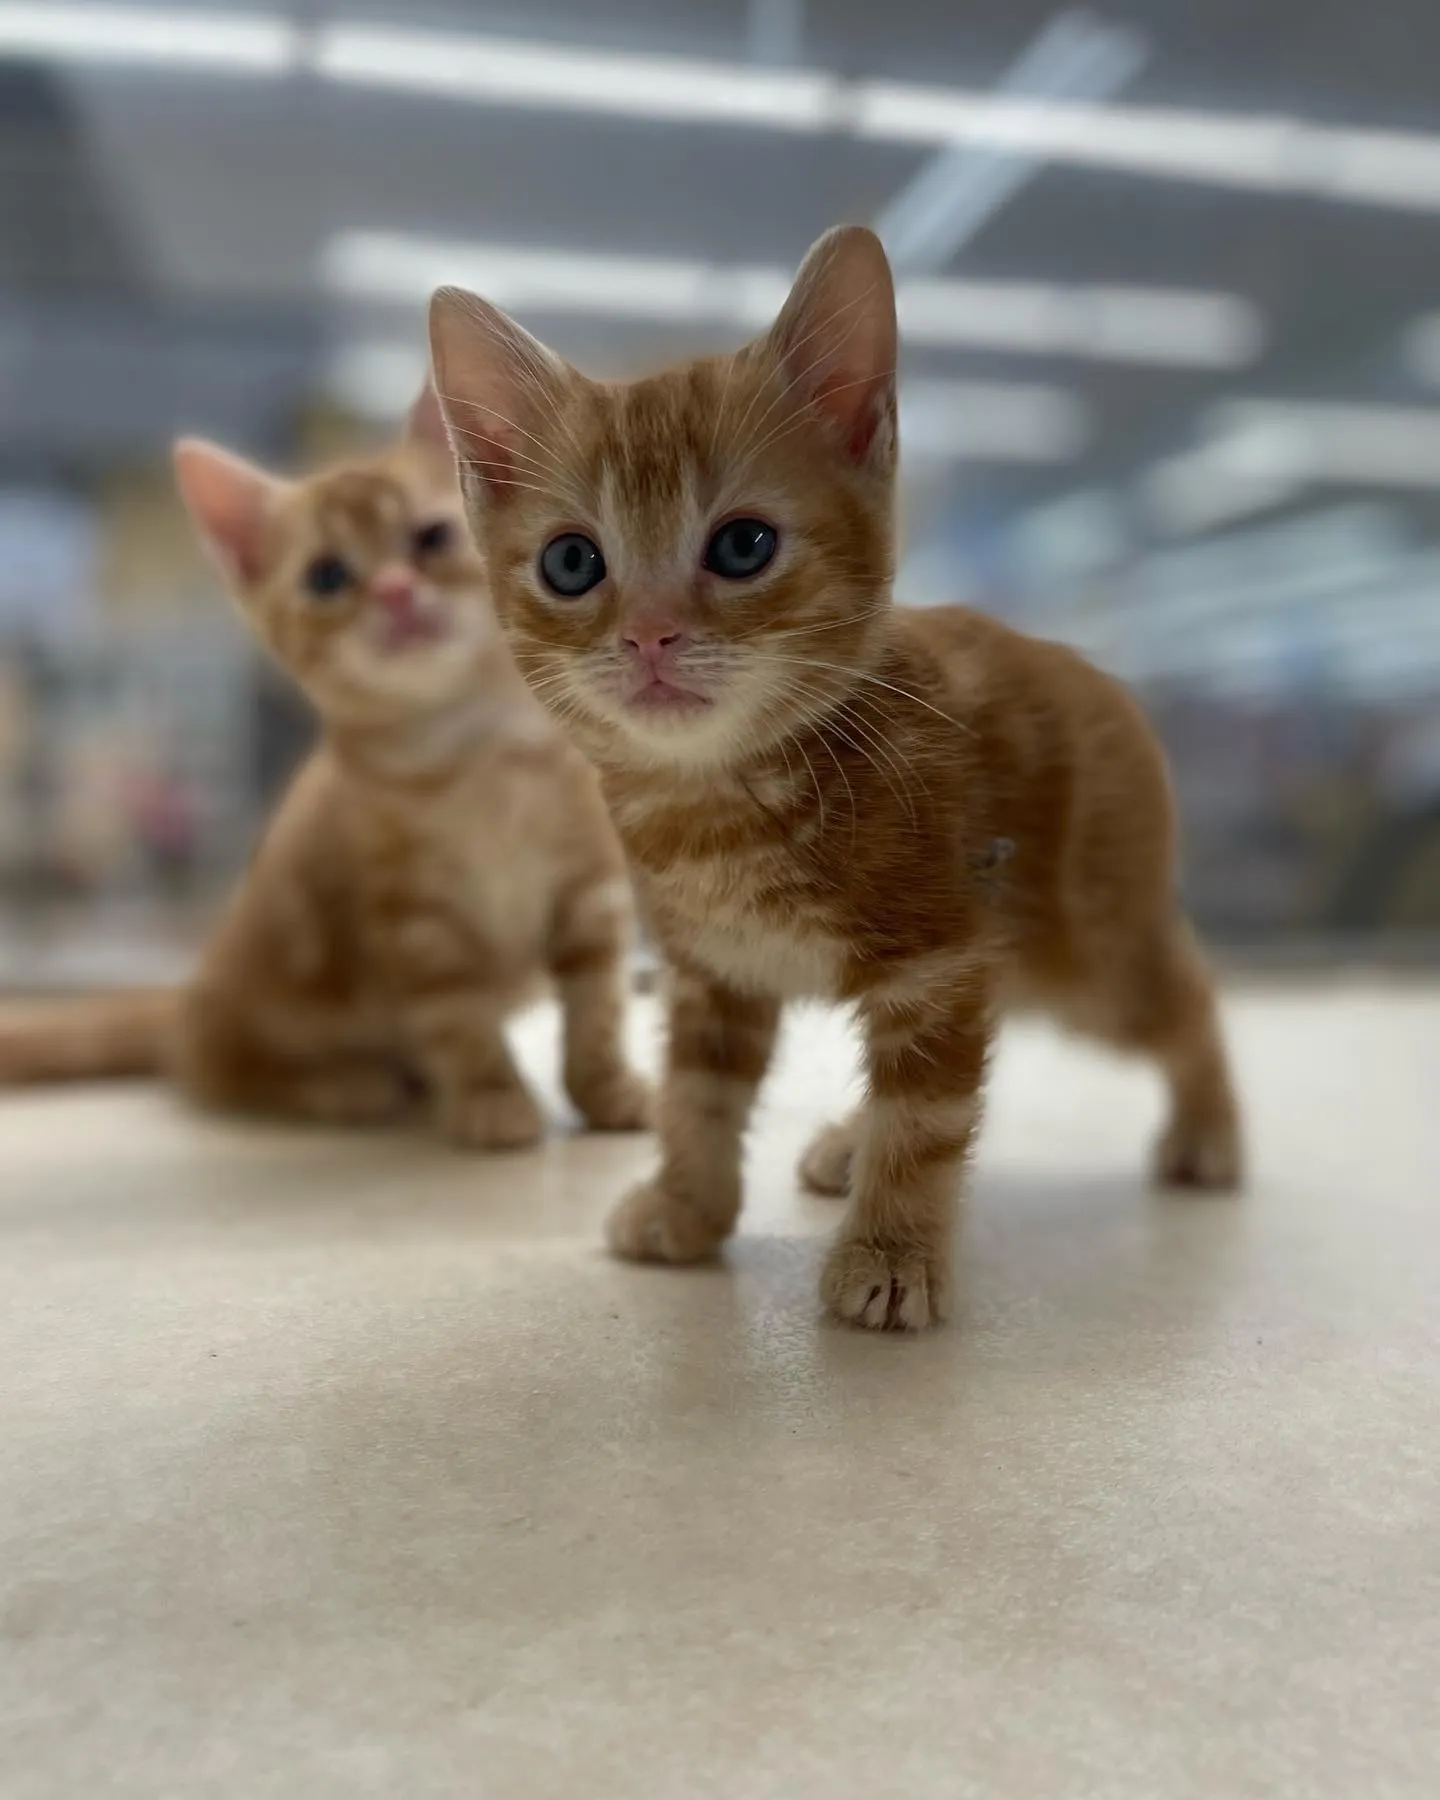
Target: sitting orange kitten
442,851
922,814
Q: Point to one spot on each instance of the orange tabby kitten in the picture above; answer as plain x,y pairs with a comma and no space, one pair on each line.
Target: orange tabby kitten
442,851
922,814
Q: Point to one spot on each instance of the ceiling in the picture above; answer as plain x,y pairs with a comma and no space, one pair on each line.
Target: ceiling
161,231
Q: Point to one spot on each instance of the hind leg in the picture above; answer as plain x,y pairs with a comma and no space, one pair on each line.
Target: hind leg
1157,999
826,1165
223,1063
339,1089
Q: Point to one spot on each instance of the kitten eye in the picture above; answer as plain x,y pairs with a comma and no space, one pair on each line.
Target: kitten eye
431,539
571,565
327,576
740,549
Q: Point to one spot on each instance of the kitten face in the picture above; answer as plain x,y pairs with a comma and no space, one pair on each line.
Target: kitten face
686,566
373,592
362,581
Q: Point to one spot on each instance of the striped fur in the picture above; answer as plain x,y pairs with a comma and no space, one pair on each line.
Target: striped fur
923,815
441,856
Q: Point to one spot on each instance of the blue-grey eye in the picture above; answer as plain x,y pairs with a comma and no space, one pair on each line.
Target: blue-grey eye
327,576
431,539
572,565
740,549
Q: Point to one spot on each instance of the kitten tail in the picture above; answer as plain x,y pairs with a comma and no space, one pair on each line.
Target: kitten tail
87,1039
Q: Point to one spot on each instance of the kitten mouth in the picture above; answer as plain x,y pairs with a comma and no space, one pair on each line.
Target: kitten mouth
401,631
660,696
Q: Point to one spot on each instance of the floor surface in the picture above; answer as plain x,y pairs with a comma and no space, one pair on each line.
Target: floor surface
340,1467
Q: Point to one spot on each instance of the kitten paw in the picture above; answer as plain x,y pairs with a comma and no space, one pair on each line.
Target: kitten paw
884,1288
493,1119
619,1101
1201,1153
825,1166
651,1225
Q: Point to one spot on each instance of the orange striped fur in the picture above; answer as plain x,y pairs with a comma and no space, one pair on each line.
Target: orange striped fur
921,814
442,854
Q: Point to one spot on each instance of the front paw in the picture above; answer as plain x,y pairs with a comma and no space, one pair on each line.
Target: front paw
825,1167
884,1287
652,1225
617,1101
1200,1153
493,1119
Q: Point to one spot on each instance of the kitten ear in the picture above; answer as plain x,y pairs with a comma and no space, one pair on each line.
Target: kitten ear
496,386
425,422
836,340
231,501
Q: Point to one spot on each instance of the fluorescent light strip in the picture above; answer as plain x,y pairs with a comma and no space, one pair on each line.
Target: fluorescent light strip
1252,152
1421,349
1266,154
1155,326
248,43
1255,152
1329,441
1256,454
376,379
559,78
991,421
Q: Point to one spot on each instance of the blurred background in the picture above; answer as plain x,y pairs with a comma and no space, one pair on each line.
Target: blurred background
1170,294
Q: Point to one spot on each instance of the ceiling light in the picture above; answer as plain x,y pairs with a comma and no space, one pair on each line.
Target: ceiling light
1256,152
376,380
254,43
1421,350
1173,327
1230,150
1158,325
991,421
1197,491
558,78
391,267
1331,441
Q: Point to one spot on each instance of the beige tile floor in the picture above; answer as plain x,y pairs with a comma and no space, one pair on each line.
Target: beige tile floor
332,1468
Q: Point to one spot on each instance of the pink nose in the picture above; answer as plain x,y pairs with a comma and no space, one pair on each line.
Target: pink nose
394,588
651,641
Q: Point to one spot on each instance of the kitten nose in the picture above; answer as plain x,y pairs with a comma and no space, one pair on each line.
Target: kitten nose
651,639
394,588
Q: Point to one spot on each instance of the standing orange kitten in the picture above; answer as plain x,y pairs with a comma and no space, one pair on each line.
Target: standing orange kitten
441,853
922,814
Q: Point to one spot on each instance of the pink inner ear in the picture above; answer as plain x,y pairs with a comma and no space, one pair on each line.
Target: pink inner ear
498,388
855,405
231,501
485,448
836,338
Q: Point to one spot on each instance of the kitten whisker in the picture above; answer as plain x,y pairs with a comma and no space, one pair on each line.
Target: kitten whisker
875,680
795,421
895,760
854,809
867,751
815,781
870,612
553,463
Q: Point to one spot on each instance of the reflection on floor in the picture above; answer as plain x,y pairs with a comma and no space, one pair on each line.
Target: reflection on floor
337,1467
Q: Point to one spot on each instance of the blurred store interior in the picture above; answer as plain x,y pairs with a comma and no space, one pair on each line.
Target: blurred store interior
1170,293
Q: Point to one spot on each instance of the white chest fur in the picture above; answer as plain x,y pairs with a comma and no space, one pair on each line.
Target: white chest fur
715,920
